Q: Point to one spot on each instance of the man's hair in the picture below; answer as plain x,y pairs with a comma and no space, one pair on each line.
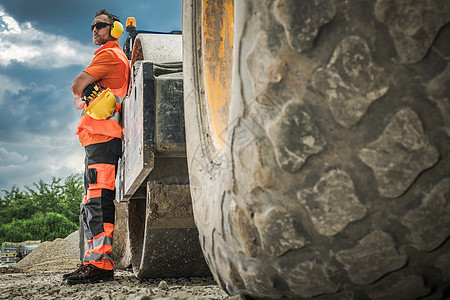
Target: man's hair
111,17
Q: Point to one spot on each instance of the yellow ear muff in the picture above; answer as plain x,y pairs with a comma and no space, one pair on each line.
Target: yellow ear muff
116,30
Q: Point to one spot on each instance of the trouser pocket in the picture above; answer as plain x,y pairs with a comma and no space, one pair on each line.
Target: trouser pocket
101,176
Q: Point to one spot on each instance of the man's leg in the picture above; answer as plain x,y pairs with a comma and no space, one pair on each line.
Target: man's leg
98,211
100,219
86,230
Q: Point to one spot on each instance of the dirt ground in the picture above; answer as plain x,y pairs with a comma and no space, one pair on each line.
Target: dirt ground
48,285
38,276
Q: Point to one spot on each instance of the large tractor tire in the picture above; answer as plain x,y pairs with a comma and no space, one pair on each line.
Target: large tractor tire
318,146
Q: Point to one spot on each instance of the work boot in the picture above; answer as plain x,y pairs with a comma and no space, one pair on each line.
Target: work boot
81,268
91,274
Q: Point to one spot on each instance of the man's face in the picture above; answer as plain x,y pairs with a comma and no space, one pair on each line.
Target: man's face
101,36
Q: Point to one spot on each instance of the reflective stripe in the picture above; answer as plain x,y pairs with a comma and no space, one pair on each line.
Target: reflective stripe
88,251
103,249
98,256
115,117
119,99
92,255
104,240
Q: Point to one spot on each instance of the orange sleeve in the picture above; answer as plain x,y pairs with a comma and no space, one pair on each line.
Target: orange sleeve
101,65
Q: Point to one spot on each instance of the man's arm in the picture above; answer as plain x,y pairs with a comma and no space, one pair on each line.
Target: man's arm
81,82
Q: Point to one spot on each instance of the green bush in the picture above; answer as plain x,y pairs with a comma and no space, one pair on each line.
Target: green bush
45,212
41,226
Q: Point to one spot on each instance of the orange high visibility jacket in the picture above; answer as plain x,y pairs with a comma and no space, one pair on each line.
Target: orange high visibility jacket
91,131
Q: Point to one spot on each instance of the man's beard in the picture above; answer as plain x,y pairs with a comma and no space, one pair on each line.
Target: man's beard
99,40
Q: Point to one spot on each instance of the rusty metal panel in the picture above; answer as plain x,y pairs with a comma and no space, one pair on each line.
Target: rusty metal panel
138,131
153,116
170,132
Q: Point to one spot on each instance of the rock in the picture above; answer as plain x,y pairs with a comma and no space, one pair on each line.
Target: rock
163,285
139,296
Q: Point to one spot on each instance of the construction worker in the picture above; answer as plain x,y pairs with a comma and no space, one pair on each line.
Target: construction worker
108,74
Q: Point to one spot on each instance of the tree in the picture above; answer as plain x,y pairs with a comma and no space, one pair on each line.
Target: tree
16,205
44,212
41,226
47,196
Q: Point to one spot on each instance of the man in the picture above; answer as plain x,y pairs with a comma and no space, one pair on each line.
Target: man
101,139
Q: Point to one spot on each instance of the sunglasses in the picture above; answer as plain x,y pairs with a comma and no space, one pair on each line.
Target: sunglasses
99,25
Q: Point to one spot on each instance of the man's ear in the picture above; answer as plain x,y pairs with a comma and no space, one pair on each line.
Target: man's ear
116,30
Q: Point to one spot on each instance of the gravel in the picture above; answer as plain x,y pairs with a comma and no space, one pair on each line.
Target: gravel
48,285
51,256
38,276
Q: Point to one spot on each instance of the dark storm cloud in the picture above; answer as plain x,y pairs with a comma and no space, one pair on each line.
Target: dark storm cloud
73,18
37,119
36,108
55,16
44,45
37,126
37,140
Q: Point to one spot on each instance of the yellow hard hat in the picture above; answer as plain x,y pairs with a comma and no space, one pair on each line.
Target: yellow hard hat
103,106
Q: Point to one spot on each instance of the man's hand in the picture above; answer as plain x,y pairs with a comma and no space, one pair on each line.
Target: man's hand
91,92
78,103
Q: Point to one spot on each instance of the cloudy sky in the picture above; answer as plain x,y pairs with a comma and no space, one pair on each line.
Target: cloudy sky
44,45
